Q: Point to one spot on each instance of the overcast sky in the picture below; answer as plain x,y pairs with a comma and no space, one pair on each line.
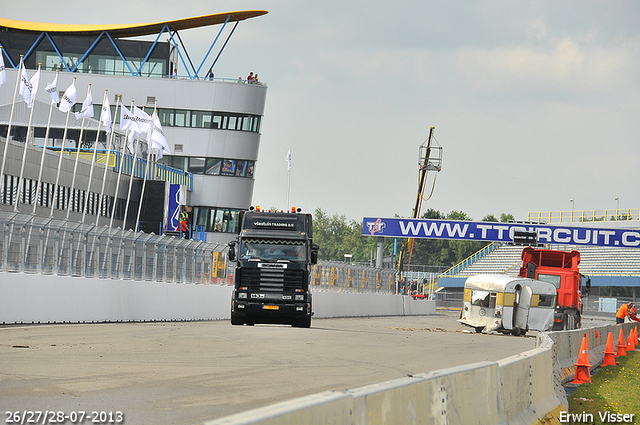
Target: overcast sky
534,103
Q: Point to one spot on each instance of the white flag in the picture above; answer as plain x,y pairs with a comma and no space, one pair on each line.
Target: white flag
132,136
288,159
145,123
29,88
158,139
129,121
105,115
52,89
87,107
69,98
3,72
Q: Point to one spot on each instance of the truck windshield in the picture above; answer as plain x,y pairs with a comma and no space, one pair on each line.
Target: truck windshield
272,250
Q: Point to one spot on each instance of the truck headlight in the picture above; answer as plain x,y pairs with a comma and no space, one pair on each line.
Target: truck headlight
299,297
242,295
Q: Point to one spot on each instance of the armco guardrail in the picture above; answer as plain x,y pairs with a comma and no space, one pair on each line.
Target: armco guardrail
519,390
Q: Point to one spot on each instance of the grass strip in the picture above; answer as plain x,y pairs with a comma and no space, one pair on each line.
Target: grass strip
613,389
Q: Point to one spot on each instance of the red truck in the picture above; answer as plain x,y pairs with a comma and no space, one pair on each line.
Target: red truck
561,269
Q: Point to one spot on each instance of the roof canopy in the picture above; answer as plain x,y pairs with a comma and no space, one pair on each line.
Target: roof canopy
128,30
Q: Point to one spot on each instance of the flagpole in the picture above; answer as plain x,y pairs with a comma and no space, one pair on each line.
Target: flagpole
6,142
93,161
44,150
64,138
133,168
75,165
32,94
106,165
124,145
288,178
148,167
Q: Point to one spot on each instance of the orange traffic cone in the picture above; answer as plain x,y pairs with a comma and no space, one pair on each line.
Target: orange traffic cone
621,345
609,354
583,368
635,334
630,341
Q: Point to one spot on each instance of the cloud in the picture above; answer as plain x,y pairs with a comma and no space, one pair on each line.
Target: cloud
563,69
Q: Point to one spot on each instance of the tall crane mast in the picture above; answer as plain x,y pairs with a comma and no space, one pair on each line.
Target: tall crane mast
429,159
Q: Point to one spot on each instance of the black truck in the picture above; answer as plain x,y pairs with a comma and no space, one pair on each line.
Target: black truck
274,254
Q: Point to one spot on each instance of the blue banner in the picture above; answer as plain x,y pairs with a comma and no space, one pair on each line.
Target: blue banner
174,207
498,232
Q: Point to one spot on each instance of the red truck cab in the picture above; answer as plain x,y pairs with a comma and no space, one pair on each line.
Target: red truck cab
561,269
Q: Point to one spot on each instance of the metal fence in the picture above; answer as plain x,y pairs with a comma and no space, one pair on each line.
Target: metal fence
342,277
38,245
31,244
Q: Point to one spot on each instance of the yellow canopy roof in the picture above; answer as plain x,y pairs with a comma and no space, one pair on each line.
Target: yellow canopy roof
128,30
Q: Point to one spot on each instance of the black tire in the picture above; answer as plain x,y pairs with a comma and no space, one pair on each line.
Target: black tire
479,329
564,321
515,331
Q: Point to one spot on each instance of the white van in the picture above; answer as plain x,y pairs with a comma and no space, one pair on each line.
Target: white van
507,304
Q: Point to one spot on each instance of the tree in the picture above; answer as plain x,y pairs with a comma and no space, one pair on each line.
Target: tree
490,217
504,218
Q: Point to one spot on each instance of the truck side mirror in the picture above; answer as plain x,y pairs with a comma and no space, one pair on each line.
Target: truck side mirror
314,254
588,286
232,251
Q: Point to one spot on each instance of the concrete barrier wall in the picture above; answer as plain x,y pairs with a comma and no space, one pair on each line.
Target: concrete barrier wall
520,390
30,298
566,347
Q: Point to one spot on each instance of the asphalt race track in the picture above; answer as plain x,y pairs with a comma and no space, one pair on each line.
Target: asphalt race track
190,372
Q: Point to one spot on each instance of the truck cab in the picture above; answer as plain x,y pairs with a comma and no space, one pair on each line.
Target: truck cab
274,255
561,269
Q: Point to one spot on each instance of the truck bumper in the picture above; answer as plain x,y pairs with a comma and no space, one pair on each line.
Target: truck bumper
272,313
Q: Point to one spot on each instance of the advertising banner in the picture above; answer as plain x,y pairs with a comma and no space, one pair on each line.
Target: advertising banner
498,232
176,199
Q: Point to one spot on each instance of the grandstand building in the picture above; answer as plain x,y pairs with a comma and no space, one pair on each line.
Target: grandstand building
212,125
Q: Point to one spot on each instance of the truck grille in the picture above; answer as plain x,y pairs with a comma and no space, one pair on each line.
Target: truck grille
276,280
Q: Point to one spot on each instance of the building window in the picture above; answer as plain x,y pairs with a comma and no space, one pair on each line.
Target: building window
223,220
241,168
182,118
196,165
166,116
228,167
213,166
200,119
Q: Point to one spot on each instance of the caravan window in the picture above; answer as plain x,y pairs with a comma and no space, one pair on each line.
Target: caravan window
547,301
483,299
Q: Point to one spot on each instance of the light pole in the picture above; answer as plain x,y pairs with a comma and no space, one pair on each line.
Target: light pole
617,207
571,200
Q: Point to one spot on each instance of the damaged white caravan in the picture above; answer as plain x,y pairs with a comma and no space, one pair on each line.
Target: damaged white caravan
507,304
